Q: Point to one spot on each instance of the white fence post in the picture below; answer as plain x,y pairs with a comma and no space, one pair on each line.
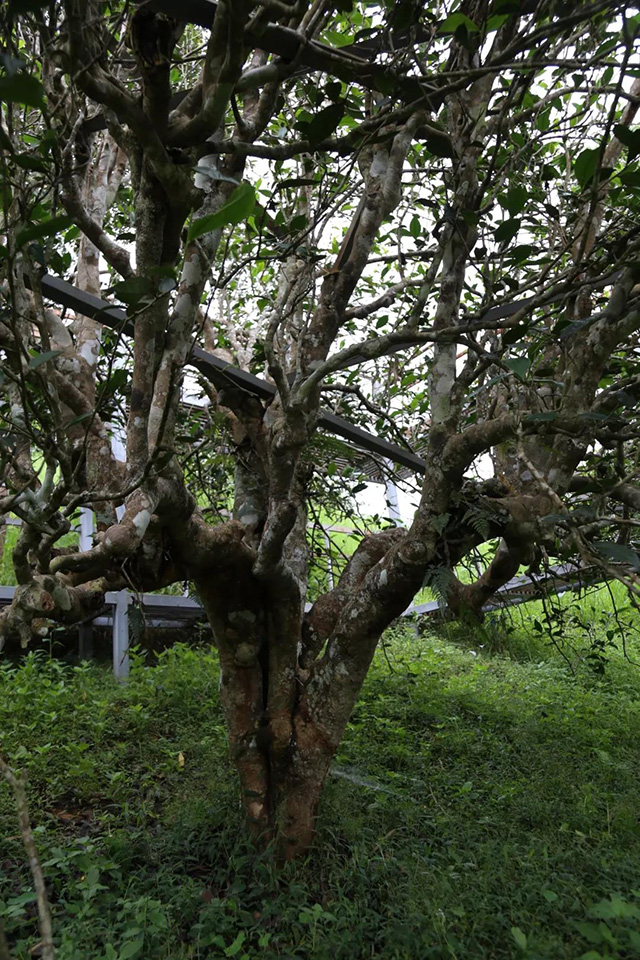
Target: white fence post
121,635
85,630
391,496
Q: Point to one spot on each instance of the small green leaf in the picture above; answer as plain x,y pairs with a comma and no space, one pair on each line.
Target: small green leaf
507,230
29,162
439,146
584,166
516,199
521,252
83,416
631,178
543,417
494,23
22,88
237,208
134,290
131,949
519,366
338,39
44,229
630,138
548,172
519,937
41,358
323,124
618,553
236,946
298,223
456,20
515,334
440,522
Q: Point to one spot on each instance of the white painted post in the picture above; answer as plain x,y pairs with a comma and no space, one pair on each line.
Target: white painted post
327,543
85,630
391,496
86,528
120,453
121,636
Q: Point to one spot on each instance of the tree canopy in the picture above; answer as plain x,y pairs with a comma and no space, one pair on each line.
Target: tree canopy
421,217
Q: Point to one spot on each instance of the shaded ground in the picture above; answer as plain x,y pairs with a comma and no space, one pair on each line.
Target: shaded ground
482,806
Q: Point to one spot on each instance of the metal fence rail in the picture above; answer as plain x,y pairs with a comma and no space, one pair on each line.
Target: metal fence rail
163,610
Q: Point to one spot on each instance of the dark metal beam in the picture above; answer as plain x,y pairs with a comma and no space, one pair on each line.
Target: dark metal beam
218,371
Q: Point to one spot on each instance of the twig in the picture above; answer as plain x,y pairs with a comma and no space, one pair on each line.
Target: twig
4,946
17,784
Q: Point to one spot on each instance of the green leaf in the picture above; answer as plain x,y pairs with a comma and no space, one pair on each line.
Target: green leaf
591,931
519,365
323,124
494,23
618,552
22,88
338,39
298,223
542,417
440,522
456,20
439,146
131,949
631,178
29,162
83,416
41,358
44,229
515,334
630,138
507,230
236,946
134,290
516,200
519,937
237,208
584,166
548,172
521,252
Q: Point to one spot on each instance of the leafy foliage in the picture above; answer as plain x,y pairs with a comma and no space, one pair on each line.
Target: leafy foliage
479,804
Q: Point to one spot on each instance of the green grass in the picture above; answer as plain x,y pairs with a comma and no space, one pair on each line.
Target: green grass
483,805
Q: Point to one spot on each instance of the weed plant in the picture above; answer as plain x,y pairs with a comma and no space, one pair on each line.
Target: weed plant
484,804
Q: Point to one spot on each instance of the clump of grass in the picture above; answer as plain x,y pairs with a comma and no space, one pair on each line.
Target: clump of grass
481,806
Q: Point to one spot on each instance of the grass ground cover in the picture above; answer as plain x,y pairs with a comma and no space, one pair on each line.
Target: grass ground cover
484,804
